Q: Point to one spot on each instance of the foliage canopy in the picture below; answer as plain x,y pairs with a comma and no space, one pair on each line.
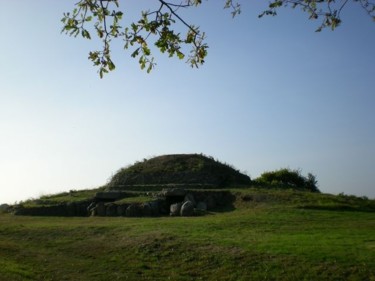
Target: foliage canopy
159,26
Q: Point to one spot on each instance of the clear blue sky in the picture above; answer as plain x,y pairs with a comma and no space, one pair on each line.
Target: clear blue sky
272,94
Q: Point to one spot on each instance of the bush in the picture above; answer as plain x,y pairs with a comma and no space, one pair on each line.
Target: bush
286,178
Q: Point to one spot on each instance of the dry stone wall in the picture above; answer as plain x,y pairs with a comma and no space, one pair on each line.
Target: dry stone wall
168,202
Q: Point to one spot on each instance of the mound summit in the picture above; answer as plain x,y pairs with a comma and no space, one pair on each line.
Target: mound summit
178,169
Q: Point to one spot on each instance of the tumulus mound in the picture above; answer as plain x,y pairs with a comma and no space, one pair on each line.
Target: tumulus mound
193,170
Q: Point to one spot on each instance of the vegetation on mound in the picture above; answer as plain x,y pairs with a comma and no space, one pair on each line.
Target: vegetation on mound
179,169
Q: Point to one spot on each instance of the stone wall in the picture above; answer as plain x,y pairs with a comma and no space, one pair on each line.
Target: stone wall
168,202
71,209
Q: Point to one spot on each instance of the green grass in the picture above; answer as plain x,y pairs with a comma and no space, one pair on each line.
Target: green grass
135,199
270,237
63,197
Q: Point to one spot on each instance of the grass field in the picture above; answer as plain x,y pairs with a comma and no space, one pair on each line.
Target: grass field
270,235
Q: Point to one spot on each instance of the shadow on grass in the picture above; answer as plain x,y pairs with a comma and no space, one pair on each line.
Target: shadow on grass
367,209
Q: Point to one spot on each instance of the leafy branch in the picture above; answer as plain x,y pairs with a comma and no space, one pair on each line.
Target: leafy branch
329,11
155,27
159,28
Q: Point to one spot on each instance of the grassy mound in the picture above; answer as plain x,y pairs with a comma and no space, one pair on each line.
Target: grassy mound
178,169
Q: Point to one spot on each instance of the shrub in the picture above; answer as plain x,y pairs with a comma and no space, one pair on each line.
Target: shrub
286,178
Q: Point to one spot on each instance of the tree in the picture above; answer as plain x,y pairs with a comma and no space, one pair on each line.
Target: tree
158,27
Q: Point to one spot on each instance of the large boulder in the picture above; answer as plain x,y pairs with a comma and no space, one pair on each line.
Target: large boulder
100,209
155,207
187,209
175,209
91,207
71,209
93,212
201,206
210,201
121,210
111,210
146,210
134,210
190,197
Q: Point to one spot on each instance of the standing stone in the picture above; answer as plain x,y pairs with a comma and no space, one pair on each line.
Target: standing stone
210,201
164,207
201,206
111,210
121,210
91,207
133,211
71,209
190,197
175,209
187,209
100,209
154,205
93,212
146,210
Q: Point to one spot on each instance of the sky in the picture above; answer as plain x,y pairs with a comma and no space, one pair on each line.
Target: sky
272,94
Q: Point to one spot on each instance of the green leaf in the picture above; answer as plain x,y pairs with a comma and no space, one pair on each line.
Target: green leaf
111,65
146,50
85,34
180,55
135,53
